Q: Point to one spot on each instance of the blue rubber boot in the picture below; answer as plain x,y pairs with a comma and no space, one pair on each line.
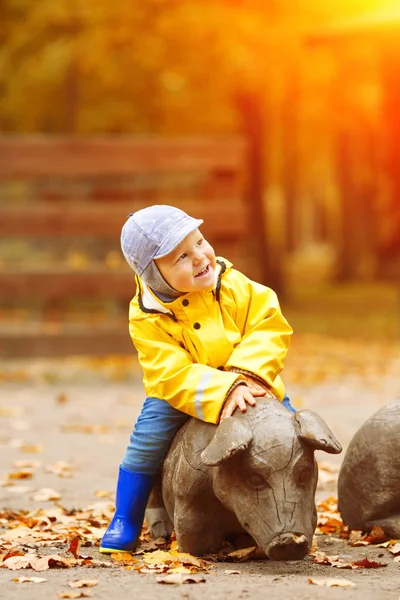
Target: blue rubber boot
133,491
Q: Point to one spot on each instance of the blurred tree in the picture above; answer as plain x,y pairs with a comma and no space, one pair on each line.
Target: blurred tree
177,67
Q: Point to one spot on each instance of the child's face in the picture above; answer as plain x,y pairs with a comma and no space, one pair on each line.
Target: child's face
191,266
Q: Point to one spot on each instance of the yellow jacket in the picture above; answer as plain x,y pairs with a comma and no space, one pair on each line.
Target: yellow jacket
187,348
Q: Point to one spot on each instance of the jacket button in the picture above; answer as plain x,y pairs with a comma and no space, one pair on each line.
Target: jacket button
197,325
185,302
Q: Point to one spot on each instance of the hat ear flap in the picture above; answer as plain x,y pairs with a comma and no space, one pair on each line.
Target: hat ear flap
232,436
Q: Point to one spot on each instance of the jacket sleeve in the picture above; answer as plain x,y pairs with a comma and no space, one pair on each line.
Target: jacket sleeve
170,373
265,332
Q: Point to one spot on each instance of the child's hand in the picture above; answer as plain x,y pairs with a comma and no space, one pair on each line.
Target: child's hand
238,398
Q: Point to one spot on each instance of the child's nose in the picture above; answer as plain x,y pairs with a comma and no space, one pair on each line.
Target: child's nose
198,256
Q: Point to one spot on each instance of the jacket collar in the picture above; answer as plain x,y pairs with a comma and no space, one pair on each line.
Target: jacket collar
150,303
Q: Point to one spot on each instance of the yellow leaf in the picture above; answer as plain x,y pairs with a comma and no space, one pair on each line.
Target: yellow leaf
179,570
242,554
31,449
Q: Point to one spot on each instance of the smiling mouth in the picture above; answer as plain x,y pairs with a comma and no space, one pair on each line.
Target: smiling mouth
203,272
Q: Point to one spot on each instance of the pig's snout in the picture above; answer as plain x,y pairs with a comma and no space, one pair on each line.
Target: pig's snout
288,546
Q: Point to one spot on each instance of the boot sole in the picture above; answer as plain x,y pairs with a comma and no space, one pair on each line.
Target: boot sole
115,551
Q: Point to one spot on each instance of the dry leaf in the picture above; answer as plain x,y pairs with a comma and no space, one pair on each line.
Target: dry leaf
376,536
84,594
29,579
18,562
83,583
368,564
31,449
355,537
395,549
178,579
37,563
61,469
21,475
243,554
179,569
231,572
103,494
74,546
61,398
27,464
45,494
124,557
331,582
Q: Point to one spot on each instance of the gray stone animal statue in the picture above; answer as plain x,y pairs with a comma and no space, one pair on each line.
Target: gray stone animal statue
255,473
369,478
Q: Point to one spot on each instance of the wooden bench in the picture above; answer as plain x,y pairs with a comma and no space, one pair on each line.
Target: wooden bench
71,191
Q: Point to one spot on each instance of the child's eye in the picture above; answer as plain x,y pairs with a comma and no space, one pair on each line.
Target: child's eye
182,256
199,243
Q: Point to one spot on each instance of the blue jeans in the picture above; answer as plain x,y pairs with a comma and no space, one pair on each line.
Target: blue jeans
153,433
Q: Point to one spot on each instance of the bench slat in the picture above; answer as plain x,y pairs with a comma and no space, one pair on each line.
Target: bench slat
85,342
41,157
88,220
51,286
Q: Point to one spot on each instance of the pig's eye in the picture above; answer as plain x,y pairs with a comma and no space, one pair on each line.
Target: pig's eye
257,481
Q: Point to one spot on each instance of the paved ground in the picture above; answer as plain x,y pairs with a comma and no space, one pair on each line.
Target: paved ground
81,413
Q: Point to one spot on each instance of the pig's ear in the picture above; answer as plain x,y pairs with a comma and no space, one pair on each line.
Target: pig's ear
315,433
231,437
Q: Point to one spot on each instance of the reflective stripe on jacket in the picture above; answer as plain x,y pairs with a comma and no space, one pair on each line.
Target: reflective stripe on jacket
188,347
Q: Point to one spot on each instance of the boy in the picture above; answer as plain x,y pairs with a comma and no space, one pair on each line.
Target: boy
209,340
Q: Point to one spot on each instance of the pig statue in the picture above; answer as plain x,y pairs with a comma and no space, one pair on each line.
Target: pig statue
254,473
369,478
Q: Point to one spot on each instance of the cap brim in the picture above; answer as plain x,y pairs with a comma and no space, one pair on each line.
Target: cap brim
177,236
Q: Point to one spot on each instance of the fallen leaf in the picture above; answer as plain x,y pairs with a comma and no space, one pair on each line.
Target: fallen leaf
27,464
368,564
376,536
17,562
231,572
74,546
61,469
102,493
83,583
179,579
37,563
395,549
332,582
179,569
29,579
45,494
61,398
21,475
355,537
243,554
84,594
124,557
31,449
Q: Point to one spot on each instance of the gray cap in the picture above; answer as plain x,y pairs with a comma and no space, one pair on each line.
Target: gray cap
154,232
